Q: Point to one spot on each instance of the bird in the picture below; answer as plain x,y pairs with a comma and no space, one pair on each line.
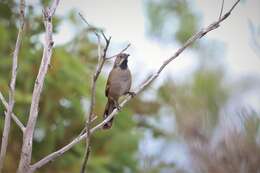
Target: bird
118,84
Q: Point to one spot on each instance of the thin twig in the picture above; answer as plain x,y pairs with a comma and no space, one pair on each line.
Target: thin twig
53,7
234,5
67,147
86,156
85,129
26,154
11,100
127,46
14,117
100,64
85,20
221,10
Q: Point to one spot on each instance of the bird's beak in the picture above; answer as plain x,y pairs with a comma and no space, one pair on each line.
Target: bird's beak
127,55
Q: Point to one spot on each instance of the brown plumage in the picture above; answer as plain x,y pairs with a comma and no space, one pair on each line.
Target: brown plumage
118,84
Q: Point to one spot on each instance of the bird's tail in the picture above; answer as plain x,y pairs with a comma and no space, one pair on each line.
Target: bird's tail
108,110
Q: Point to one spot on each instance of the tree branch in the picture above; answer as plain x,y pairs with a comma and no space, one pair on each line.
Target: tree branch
221,10
26,154
195,37
11,101
92,104
100,64
14,117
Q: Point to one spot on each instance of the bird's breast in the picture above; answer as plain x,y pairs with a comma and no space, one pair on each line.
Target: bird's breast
120,83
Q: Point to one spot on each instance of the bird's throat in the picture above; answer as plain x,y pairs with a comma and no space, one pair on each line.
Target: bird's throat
123,65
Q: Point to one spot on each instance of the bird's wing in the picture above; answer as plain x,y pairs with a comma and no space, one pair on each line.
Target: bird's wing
107,88
108,82
128,81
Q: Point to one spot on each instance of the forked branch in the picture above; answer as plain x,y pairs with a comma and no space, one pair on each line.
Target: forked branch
14,117
100,64
26,154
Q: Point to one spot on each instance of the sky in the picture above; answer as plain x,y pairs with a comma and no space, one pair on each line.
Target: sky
125,22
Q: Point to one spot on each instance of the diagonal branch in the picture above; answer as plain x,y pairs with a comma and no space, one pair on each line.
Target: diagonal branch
194,38
10,106
26,154
14,117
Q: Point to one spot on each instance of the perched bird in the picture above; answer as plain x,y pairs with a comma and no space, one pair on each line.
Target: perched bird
118,84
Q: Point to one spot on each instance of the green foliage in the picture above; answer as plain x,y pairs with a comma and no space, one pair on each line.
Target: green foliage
171,20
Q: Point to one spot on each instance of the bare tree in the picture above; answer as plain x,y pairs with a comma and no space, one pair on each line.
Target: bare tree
25,165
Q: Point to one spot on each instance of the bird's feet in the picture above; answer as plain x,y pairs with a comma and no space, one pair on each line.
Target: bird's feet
132,94
118,107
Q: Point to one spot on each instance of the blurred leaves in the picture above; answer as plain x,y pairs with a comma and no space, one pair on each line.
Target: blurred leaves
171,20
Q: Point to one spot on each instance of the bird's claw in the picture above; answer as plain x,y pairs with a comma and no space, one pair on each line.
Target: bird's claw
132,94
118,107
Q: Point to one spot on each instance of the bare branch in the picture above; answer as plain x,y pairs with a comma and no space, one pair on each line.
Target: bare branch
107,45
11,101
228,13
84,19
25,160
195,37
87,153
222,6
234,5
57,153
91,107
85,129
100,64
53,7
14,117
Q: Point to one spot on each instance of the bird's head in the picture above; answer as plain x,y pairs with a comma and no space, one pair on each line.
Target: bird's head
121,60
